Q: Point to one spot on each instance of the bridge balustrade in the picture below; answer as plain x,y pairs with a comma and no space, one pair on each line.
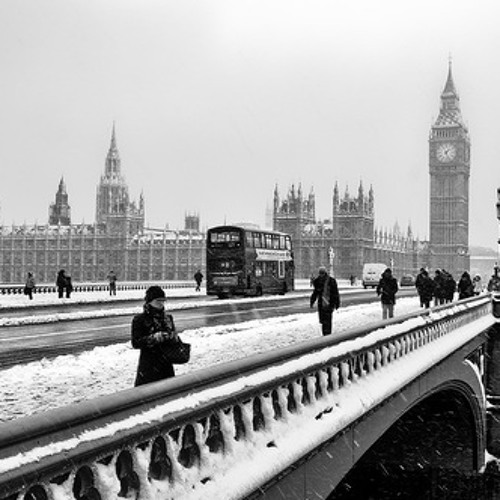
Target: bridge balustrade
13,289
211,430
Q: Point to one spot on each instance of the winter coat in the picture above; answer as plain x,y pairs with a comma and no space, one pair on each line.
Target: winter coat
478,285
30,282
198,277
465,287
387,288
61,280
439,286
425,287
153,363
450,286
330,300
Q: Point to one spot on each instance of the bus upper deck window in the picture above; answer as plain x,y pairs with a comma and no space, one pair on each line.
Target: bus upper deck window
256,240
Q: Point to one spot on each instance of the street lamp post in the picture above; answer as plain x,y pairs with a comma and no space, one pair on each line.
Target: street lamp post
331,256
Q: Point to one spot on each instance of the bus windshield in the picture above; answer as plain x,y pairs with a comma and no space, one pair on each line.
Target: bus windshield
224,239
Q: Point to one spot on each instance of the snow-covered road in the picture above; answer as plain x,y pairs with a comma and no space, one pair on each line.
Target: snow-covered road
38,386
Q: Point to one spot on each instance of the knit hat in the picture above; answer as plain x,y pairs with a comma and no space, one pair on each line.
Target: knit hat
154,292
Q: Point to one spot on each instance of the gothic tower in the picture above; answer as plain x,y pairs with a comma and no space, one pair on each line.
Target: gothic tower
294,212
449,168
113,206
353,230
60,211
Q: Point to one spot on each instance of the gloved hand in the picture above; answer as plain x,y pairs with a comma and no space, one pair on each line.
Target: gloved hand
159,337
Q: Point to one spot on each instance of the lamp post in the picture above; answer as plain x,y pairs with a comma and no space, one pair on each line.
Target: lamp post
331,256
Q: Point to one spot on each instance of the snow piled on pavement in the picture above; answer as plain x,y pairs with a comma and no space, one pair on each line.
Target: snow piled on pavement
42,385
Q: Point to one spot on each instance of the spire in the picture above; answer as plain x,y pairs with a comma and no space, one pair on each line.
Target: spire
449,88
449,96
62,186
113,157
276,199
449,112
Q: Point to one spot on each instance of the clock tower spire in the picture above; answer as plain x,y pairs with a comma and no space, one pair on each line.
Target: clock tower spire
449,169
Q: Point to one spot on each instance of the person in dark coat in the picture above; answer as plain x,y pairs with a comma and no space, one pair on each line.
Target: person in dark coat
112,282
61,283
465,287
198,277
425,288
326,292
69,286
387,288
450,286
152,330
439,287
29,286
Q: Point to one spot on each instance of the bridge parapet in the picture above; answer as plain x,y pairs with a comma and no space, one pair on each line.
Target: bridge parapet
17,289
221,429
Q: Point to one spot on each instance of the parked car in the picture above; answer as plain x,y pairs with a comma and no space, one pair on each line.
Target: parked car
407,280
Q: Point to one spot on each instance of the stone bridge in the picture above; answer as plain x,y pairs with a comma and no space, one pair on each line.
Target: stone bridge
304,422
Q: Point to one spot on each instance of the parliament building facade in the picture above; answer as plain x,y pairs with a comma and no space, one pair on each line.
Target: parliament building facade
118,239
349,238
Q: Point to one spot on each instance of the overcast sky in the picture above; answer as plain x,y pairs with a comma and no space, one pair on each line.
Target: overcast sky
217,101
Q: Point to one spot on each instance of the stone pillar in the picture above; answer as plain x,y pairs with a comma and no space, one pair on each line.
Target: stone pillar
493,390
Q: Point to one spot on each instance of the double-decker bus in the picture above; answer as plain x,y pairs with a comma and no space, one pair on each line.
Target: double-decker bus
245,261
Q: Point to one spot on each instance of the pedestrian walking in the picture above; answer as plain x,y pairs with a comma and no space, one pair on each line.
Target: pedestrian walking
425,288
69,286
387,288
478,284
198,278
465,286
450,286
112,282
326,292
494,282
61,283
152,330
29,287
439,288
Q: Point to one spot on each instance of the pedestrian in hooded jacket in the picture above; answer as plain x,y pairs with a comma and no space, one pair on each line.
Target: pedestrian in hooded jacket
439,288
465,286
387,288
326,292
425,288
152,330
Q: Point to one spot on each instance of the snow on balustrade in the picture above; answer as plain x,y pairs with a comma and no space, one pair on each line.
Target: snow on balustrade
247,440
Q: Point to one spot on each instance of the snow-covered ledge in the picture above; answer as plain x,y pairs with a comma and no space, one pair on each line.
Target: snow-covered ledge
224,431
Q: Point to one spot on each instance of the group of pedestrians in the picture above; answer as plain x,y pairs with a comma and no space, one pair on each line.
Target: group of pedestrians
442,287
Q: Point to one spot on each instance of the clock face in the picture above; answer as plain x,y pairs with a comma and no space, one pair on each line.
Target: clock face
446,152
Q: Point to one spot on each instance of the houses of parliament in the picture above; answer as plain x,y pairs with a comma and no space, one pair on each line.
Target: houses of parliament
119,240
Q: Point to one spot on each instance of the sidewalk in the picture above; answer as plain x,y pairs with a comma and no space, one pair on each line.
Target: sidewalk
40,300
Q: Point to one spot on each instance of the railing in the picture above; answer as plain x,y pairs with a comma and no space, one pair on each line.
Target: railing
12,289
165,440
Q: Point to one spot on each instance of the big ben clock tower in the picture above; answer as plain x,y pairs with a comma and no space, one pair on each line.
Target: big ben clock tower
449,168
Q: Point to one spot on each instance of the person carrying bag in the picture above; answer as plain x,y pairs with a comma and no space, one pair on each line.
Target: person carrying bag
154,333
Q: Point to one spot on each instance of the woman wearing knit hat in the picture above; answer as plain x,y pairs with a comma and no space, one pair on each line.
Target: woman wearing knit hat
152,331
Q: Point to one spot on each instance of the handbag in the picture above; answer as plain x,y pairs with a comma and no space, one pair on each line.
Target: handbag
177,352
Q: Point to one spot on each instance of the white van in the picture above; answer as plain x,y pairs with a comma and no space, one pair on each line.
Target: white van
372,272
